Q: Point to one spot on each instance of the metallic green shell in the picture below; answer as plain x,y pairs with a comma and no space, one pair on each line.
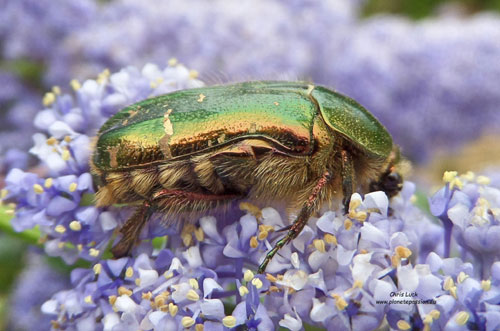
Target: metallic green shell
181,123
187,122
348,117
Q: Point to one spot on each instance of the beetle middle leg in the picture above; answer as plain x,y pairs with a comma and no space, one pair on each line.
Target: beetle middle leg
307,209
347,173
132,229
170,202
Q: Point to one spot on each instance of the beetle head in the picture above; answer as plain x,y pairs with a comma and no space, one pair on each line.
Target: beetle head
391,180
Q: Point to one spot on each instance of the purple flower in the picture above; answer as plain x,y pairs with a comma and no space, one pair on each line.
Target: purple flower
469,209
28,295
60,202
16,104
342,270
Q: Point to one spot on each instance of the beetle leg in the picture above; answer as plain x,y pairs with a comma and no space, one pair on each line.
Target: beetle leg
131,230
307,209
347,174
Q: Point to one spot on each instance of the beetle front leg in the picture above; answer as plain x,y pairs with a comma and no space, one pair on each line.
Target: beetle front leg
347,174
132,229
305,213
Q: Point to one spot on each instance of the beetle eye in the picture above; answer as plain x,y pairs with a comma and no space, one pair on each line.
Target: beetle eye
394,177
390,182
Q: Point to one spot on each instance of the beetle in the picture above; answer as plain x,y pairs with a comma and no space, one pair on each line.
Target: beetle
194,151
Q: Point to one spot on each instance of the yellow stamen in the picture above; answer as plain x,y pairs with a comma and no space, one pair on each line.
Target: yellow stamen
357,284
453,292
75,84
172,309
51,141
60,229
462,318
457,182
395,261
483,180
192,295
271,278
48,99
355,203
319,244
172,62
75,225
229,321
199,234
193,74
124,291
347,224
448,283
97,268
88,299
248,275
94,252
194,283
243,290
435,314
403,252
254,242
112,299
73,187
38,188
48,183
56,89
65,155
486,284
257,283
103,76
448,176
330,239
147,295
403,325
461,277
262,235
187,321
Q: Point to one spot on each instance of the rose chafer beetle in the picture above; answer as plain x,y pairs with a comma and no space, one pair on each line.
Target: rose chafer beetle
195,151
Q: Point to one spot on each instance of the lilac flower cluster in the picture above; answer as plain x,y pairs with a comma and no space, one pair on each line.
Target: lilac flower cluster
355,272
16,104
342,271
253,39
59,201
53,21
28,296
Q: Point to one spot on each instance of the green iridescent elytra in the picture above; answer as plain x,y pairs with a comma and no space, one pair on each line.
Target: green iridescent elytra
181,123
193,152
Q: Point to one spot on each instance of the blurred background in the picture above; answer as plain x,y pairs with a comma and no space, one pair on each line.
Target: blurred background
428,69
